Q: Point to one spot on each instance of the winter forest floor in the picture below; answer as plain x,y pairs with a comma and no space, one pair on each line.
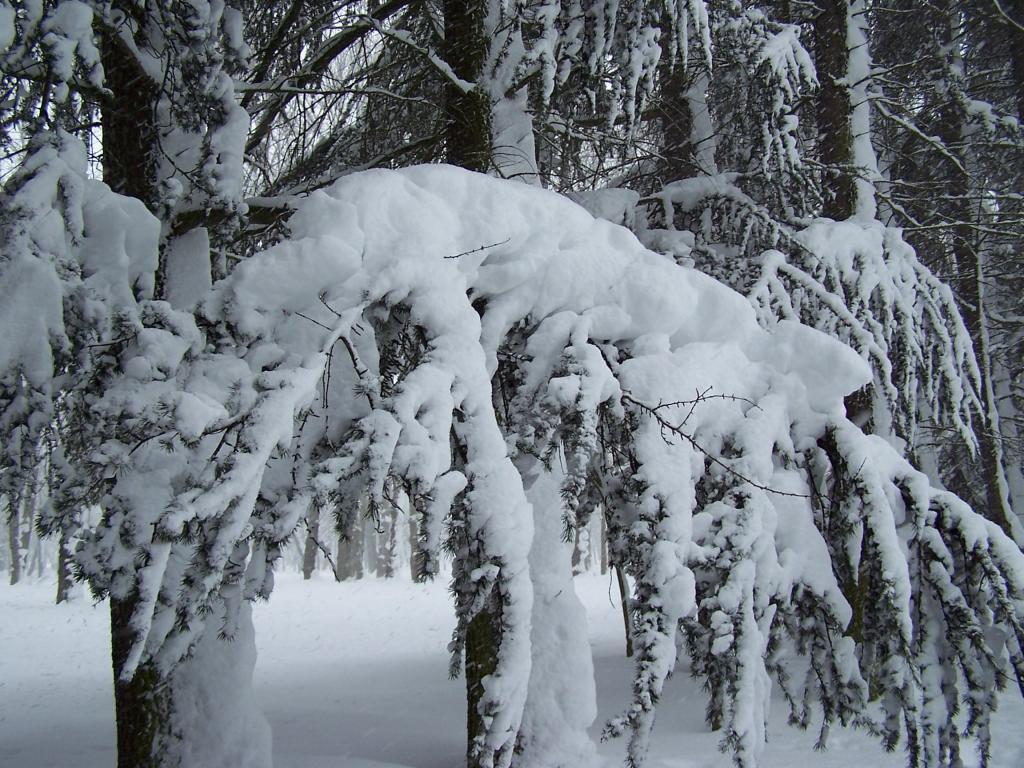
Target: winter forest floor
355,675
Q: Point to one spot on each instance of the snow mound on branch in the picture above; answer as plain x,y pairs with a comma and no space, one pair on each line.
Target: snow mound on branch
533,253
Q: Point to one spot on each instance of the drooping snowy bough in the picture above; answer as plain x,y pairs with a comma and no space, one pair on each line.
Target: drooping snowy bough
856,280
471,336
518,365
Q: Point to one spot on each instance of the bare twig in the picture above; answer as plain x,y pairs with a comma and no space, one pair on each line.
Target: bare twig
676,429
477,250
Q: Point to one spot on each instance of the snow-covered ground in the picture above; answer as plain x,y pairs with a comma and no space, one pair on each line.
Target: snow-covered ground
354,675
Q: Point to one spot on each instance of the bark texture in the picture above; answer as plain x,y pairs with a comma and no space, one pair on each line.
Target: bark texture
467,110
483,637
834,108
142,705
128,118
673,111
14,542
65,576
969,286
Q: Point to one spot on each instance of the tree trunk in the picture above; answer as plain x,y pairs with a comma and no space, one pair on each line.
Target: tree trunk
687,131
483,639
673,110
561,702
387,542
627,622
467,112
834,112
351,547
65,578
604,545
130,138
14,540
142,705
468,140
1015,10
990,455
417,555
969,287
370,545
312,537
835,137
28,512
5,547
19,532
200,714
36,560
130,135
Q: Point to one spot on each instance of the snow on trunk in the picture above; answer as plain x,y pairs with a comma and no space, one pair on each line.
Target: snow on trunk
213,707
858,81
561,702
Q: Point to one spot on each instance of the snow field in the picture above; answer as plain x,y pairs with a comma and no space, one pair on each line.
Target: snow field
354,675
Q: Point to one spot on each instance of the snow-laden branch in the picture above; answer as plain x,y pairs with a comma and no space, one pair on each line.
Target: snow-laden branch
514,390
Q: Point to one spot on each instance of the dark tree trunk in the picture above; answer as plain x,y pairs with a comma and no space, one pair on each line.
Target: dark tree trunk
468,138
835,133
142,705
153,729
627,621
835,137
783,11
14,540
1015,10
673,110
351,547
971,279
604,545
467,114
130,136
310,551
65,578
483,639
417,555
969,285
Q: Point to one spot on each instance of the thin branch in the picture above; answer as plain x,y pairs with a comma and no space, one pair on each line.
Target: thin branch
678,431
442,67
477,250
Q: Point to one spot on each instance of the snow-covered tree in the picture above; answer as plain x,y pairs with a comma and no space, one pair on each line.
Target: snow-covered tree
759,177
495,353
949,107
534,377
97,285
